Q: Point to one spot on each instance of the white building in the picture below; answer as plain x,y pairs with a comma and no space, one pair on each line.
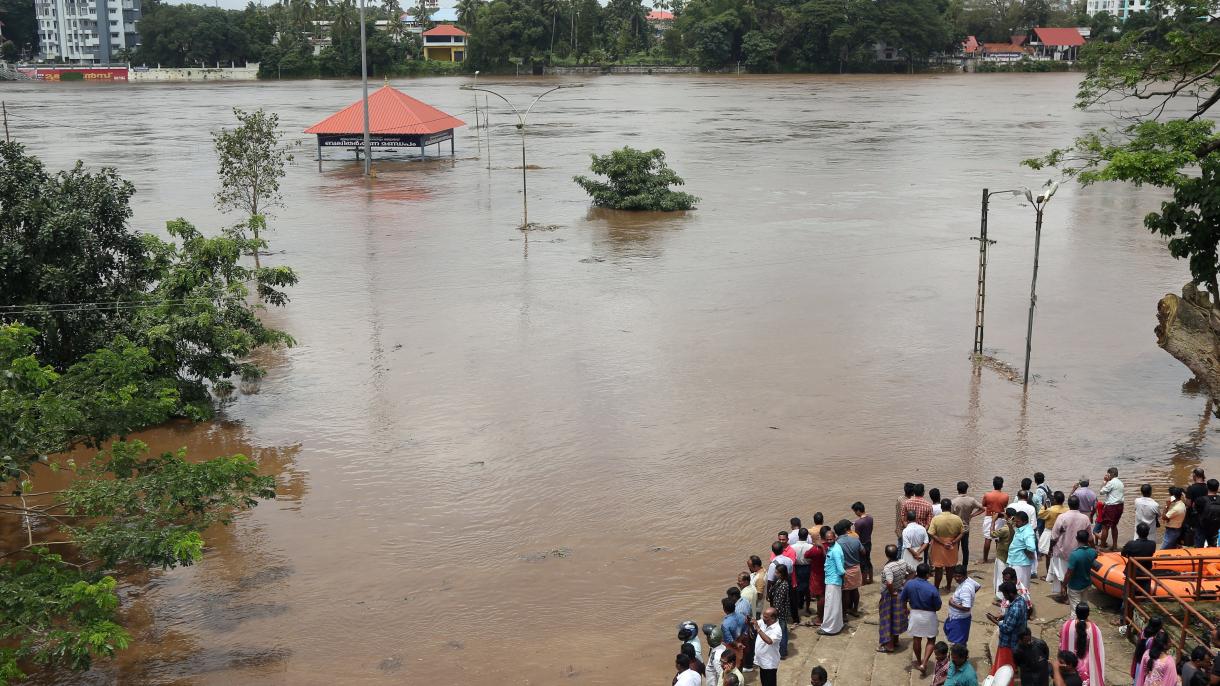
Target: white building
86,31
1119,8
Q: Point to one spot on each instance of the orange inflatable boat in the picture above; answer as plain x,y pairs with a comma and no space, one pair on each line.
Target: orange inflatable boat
1110,571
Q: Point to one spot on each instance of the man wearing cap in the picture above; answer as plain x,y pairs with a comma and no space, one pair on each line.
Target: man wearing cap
688,632
716,648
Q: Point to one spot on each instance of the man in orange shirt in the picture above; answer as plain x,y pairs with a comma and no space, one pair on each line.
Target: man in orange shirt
994,503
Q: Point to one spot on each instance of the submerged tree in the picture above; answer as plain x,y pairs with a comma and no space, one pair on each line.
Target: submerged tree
1164,80
139,330
637,180
250,164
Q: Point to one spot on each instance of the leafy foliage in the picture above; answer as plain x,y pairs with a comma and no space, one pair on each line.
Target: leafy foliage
637,180
177,323
250,164
1164,79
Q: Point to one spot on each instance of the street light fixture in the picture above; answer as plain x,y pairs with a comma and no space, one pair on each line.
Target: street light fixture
1039,204
521,118
364,79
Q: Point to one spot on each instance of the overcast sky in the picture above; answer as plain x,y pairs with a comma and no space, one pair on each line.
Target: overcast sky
239,4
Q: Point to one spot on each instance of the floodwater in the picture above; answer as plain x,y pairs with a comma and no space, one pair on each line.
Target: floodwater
510,462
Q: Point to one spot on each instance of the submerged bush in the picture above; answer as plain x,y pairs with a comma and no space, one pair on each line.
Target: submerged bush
637,180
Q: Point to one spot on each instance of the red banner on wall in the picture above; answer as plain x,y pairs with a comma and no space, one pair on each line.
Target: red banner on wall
75,73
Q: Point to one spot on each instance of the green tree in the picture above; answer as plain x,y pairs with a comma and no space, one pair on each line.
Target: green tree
758,51
636,180
64,239
250,164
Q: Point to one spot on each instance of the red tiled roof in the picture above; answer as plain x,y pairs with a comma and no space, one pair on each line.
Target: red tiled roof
1002,48
1066,38
390,111
444,30
971,44
660,15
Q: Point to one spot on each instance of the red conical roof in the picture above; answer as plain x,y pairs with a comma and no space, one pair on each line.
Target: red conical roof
390,112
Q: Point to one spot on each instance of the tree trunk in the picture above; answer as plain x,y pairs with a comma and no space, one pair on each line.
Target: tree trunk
1188,327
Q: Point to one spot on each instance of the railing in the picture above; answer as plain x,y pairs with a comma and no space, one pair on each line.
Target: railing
9,73
1144,602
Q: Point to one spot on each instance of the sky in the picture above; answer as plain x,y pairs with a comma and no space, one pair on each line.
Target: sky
240,4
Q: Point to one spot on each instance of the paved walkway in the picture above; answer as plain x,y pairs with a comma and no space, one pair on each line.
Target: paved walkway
851,658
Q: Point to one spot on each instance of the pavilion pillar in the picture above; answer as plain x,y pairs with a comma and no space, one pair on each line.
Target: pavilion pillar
451,146
319,153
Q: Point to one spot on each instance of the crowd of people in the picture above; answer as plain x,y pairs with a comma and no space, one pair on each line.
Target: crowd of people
814,572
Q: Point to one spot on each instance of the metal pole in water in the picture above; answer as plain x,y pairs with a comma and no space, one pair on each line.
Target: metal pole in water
364,78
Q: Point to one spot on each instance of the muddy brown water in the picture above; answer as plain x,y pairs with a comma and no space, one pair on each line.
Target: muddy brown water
505,462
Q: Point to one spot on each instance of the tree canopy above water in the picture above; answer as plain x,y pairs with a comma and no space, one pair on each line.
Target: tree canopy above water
636,180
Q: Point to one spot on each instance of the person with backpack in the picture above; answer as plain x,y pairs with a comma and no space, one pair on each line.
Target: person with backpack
1208,523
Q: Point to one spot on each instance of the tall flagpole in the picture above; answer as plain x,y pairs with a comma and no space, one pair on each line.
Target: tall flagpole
364,77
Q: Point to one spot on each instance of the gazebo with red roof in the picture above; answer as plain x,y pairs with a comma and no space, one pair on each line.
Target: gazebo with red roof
396,120
1058,43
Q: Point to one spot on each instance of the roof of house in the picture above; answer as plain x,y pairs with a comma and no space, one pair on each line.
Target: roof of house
444,30
971,44
390,111
660,15
1002,48
1066,38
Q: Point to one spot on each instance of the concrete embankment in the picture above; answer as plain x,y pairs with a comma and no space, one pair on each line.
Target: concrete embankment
156,74
851,658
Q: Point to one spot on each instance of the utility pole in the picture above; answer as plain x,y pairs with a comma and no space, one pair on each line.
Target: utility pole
4,108
364,78
980,297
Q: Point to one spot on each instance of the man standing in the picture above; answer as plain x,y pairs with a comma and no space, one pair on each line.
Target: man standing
1023,549
1047,517
852,551
758,579
922,507
966,507
1043,495
1111,496
795,523
732,625
1087,498
780,556
1079,566
1196,495
914,541
1141,547
961,604
994,503
800,587
832,613
686,675
1148,510
945,531
1014,621
900,512
766,647
863,527
924,602
1004,528
1024,503
1063,536
1033,659
749,596
1208,516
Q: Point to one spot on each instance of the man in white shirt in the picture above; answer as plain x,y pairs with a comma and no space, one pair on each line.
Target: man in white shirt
686,675
1111,498
914,541
800,581
766,647
1147,510
957,626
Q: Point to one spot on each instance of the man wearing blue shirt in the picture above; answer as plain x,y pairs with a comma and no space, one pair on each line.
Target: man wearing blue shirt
924,601
1014,621
832,614
733,623
1023,550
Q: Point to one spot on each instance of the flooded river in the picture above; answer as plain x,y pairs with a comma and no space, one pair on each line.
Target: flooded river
520,463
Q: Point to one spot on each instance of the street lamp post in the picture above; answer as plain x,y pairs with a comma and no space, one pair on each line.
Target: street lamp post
521,119
1039,204
364,78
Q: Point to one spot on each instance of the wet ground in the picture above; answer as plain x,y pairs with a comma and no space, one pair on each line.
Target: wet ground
512,462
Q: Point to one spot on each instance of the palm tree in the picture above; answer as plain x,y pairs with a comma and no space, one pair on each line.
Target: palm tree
467,13
396,29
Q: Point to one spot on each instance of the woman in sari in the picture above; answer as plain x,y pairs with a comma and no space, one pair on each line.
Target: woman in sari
1083,639
892,614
